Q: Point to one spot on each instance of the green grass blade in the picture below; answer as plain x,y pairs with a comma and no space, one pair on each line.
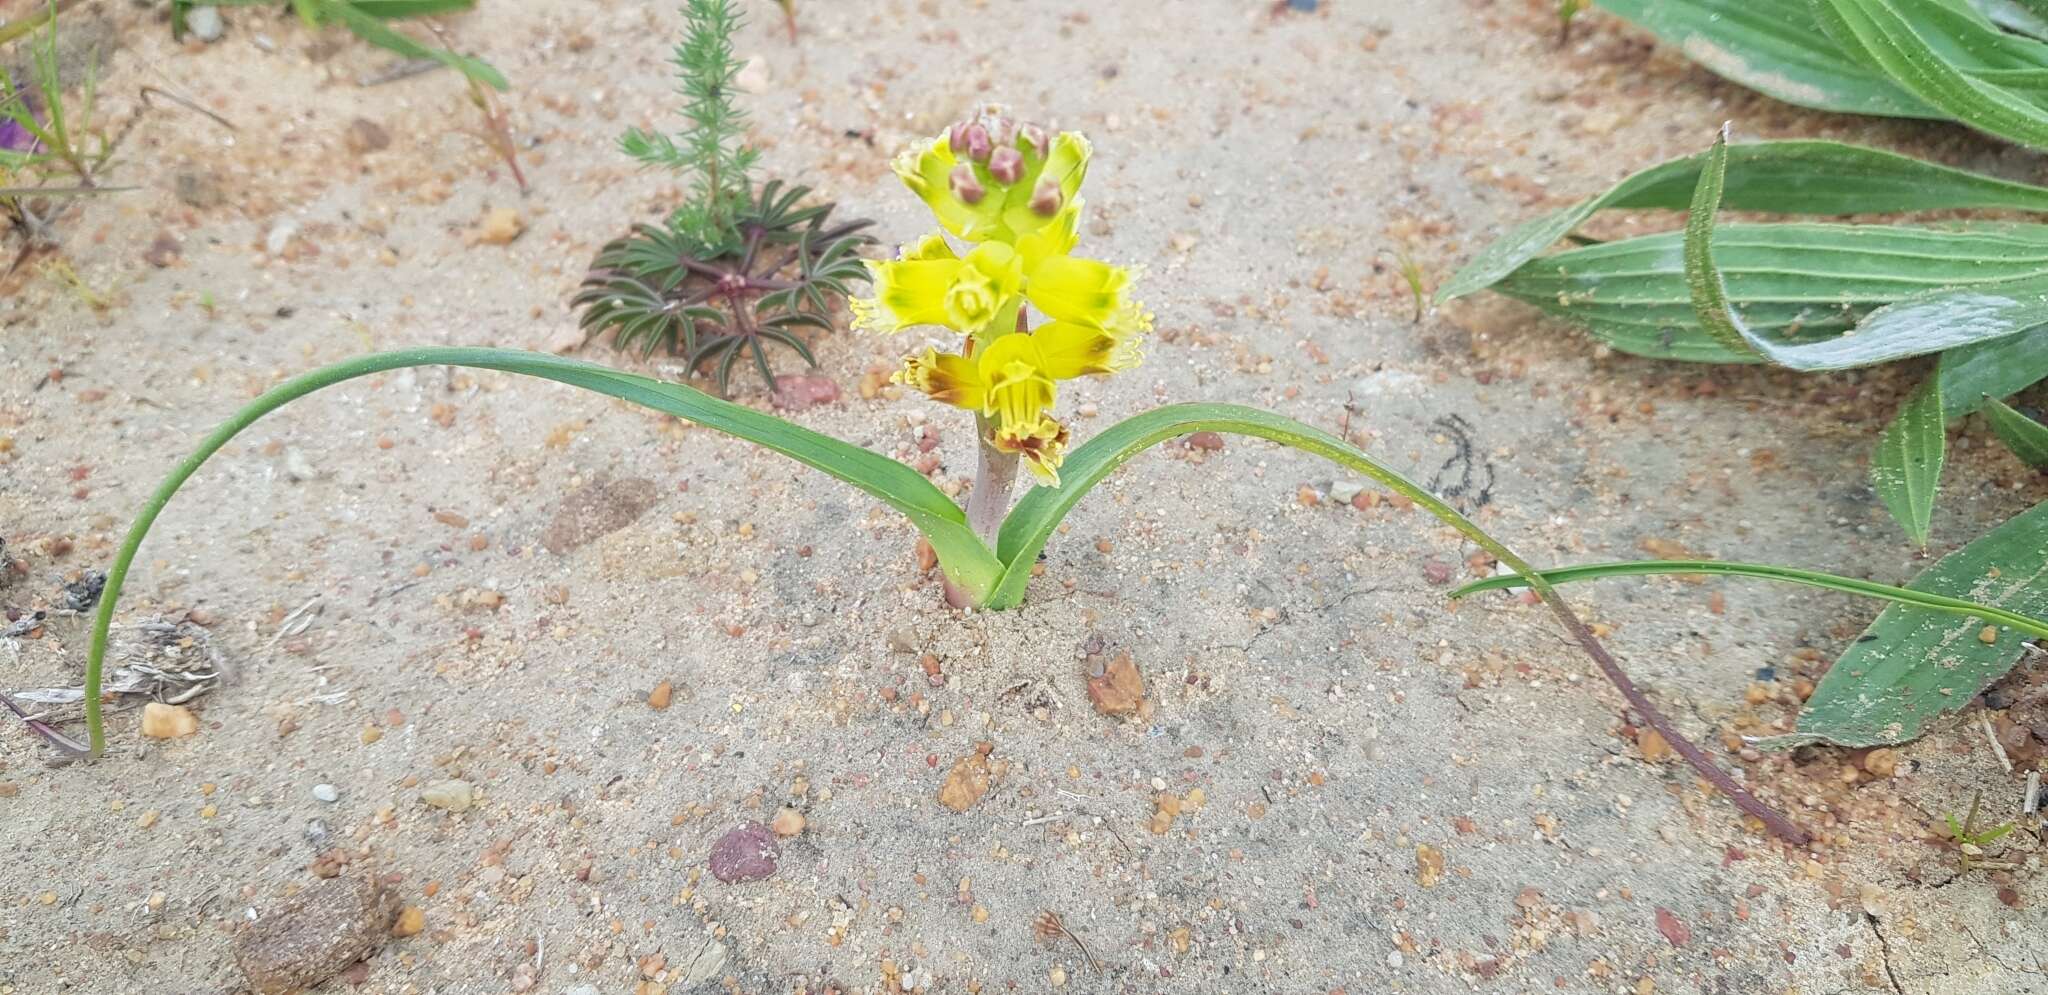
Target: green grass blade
2027,438
1031,523
966,561
1906,470
1794,177
1928,601
389,9
374,31
1775,47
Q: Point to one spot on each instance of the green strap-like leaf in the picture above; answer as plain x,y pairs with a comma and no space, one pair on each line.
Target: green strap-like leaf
1929,601
966,561
376,32
1912,664
2027,438
1798,177
1774,47
1906,469
1040,511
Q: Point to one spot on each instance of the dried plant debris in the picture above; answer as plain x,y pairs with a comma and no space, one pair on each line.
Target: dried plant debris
171,662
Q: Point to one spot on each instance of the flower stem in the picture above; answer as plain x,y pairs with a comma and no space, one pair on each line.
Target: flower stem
995,474
995,471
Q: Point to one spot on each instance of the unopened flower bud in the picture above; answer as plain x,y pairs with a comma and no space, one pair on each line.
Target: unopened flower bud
978,144
1046,199
956,137
1002,131
967,187
1031,138
1006,164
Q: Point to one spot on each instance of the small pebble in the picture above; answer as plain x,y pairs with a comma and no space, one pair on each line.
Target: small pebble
161,721
1343,491
280,237
454,795
205,23
326,793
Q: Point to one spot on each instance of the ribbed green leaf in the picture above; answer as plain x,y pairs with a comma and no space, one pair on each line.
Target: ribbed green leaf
966,561
1912,664
1774,47
1910,51
1792,283
1996,369
1906,468
1811,178
2027,438
1931,323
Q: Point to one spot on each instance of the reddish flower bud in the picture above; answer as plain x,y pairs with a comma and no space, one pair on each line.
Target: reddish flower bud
956,137
1046,199
1031,138
1006,164
978,144
966,186
1002,131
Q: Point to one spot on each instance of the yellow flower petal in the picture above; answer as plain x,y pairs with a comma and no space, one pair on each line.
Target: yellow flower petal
1064,350
1084,291
909,291
948,377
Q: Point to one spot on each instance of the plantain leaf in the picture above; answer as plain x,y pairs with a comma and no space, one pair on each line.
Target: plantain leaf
1912,664
1906,469
1995,369
1792,283
1040,511
2027,438
1910,50
1931,324
966,561
1940,603
1799,177
1775,47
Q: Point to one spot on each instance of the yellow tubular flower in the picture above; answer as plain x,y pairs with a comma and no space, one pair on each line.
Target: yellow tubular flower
929,285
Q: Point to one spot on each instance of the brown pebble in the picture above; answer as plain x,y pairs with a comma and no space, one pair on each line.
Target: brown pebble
1881,762
787,822
659,698
410,922
161,721
365,136
1205,441
304,940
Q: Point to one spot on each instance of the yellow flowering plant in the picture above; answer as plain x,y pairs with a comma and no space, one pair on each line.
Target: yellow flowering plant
1010,193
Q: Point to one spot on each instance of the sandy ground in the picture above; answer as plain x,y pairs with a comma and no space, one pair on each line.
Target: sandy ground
1376,791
